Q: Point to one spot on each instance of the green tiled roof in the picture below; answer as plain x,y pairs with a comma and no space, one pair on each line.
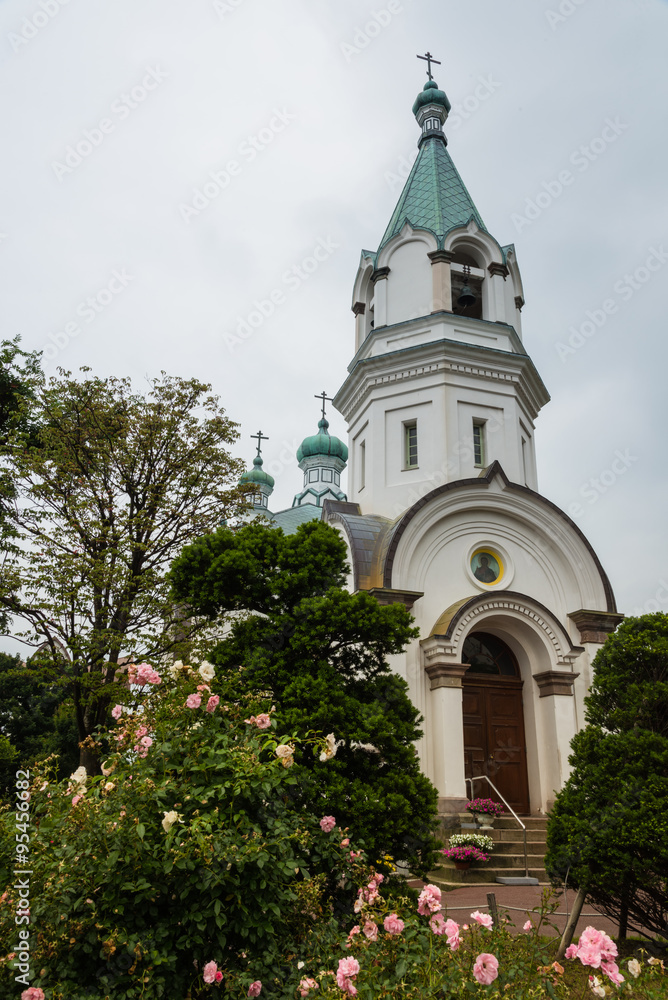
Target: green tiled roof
434,196
290,519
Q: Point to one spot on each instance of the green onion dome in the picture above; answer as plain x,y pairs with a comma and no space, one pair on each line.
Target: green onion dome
257,475
430,94
322,443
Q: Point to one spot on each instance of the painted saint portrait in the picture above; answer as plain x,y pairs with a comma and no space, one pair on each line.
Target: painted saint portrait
485,567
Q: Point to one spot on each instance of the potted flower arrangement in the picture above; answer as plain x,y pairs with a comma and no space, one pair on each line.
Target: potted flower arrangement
464,855
485,811
479,840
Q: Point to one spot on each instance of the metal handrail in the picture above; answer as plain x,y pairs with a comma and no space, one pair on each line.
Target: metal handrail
483,777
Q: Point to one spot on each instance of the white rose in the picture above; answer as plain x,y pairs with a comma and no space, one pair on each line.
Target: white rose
169,819
206,671
79,777
284,754
634,967
331,746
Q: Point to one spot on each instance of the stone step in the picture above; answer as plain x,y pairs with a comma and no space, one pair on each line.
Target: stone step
477,874
508,822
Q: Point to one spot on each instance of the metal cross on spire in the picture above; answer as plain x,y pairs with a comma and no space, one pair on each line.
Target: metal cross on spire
260,437
429,59
325,399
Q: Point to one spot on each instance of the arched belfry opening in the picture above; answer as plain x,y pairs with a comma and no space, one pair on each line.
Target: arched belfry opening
494,735
467,276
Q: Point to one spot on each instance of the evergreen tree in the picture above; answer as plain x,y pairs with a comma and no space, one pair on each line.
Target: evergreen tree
608,830
300,641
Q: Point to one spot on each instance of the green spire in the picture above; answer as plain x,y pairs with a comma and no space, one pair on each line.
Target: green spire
434,196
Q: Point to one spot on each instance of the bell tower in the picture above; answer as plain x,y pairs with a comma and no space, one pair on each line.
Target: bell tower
440,385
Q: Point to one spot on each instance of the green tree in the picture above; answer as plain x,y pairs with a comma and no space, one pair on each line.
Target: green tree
608,830
116,484
302,642
36,717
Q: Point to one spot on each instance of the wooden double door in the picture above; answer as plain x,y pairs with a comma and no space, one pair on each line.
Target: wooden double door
494,742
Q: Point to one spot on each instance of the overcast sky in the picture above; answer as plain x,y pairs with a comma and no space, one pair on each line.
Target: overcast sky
119,115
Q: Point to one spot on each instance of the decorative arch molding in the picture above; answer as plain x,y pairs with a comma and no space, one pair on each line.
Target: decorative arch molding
408,234
472,238
483,482
467,615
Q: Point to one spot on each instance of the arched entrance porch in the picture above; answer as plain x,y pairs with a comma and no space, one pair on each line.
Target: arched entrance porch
528,714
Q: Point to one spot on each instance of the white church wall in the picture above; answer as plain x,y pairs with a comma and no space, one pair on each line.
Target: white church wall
409,283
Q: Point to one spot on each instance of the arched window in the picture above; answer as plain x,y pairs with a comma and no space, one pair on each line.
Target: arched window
486,654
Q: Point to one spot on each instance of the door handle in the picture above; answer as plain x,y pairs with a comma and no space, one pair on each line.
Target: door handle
491,757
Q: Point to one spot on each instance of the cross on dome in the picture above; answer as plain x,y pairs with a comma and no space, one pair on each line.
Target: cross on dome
260,437
429,59
325,399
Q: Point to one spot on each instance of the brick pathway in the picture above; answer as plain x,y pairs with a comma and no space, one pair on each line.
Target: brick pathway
474,897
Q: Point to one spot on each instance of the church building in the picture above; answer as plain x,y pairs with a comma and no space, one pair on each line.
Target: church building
443,512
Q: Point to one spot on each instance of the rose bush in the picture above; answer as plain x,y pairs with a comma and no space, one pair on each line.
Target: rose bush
185,865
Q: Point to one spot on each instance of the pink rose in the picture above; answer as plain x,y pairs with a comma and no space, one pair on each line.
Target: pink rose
194,701
370,930
484,920
392,924
486,968
345,842
142,731
212,703
255,988
353,931
437,924
116,713
33,993
452,932
589,955
528,925
348,967
327,824
219,976
612,972
75,799
263,721
305,985
571,951
209,972
429,900
146,741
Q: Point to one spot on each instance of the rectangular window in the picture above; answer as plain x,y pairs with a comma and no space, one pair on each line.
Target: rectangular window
362,465
313,476
479,457
327,475
410,446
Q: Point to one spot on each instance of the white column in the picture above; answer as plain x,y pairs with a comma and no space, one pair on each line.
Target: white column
446,730
441,280
497,293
